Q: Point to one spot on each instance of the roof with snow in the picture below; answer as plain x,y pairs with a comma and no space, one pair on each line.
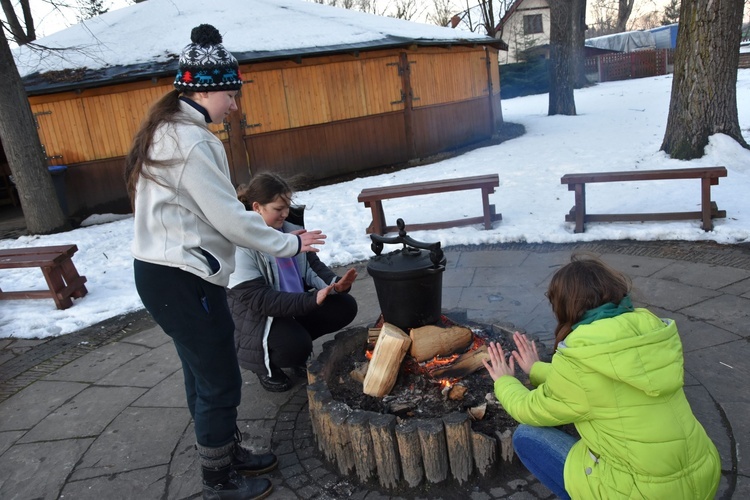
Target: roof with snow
144,40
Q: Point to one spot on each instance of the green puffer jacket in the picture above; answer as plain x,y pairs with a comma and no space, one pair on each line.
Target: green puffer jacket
619,380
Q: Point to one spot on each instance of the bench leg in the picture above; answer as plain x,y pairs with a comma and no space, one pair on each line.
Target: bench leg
708,223
488,212
378,218
53,276
71,277
580,211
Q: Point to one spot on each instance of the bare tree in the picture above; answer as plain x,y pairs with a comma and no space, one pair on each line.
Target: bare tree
442,12
624,9
578,27
405,9
561,101
23,150
704,86
21,33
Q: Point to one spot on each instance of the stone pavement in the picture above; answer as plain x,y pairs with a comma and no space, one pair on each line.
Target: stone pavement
101,413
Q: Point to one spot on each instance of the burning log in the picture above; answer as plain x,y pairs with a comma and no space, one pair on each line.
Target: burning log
484,449
465,365
434,450
386,361
430,341
410,452
361,439
458,437
386,449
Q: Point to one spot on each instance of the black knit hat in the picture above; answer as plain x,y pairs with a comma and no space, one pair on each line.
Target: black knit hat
205,65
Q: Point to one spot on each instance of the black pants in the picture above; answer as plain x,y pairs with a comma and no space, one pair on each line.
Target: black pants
194,313
290,340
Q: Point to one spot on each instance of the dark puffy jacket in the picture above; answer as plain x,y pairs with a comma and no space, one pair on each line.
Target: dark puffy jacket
257,300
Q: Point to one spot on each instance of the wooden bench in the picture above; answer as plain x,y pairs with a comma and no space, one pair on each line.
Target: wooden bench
708,175
57,266
373,198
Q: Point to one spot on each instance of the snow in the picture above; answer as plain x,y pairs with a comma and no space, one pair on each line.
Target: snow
620,126
157,30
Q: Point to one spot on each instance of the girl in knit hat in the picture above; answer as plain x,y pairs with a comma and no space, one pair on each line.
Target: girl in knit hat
188,221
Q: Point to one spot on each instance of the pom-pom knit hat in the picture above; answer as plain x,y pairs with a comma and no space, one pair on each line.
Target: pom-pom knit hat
205,65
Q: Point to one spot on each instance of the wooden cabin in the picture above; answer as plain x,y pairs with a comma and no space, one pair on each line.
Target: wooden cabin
326,112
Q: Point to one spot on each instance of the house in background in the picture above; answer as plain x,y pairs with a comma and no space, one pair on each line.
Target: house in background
347,92
524,28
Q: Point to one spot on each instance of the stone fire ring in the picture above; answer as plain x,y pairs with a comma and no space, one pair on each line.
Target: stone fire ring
374,445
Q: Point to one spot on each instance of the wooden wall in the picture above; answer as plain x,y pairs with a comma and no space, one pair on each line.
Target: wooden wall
320,117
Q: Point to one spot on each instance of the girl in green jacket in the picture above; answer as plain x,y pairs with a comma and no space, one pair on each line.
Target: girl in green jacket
617,375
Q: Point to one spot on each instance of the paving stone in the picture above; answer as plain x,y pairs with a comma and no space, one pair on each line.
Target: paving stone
705,410
540,490
94,365
696,334
292,470
498,492
142,437
7,439
25,464
702,275
169,393
86,414
737,414
30,406
722,369
143,484
152,337
725,311
669,295
146,370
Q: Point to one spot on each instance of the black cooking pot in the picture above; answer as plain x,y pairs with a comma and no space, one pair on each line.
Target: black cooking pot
409,282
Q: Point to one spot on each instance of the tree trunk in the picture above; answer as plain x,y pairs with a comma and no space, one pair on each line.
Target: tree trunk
624,9
24,152
579,39
561,101
704,87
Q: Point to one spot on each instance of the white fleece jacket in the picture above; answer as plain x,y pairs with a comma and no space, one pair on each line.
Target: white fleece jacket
194,206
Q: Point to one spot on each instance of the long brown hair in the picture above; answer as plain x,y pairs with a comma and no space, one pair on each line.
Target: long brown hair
583,284
264,187
162,111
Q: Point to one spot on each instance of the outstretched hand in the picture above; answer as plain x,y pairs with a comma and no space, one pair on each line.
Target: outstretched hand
323,293
346,281
310,238
526,355
497,366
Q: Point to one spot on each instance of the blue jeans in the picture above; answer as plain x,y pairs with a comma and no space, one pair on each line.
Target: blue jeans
543,451
195,314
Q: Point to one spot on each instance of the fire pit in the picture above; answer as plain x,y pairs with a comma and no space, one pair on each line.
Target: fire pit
409,399
420,431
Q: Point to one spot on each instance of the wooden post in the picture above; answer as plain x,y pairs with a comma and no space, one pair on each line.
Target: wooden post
327,431
458,439
434,449
317,396
411,452
361,439
386,449
506,445
342,445
484,449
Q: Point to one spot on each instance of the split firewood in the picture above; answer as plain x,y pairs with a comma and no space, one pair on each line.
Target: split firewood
465,365
372,335
390,350
506,444
430,341
359,372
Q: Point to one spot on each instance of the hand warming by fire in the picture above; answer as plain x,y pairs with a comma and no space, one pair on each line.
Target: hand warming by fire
525,356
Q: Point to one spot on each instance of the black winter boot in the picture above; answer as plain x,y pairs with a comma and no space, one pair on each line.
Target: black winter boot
226,484
248,463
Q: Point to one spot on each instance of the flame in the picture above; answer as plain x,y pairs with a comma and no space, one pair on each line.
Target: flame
368,354
445,383
438,362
